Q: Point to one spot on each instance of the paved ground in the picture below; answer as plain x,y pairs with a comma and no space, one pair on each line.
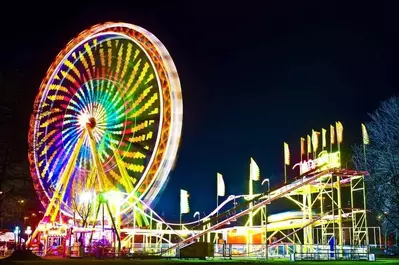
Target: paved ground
212,262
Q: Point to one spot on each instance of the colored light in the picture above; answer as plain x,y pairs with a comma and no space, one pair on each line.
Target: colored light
120,81
86,197
324,161
114,197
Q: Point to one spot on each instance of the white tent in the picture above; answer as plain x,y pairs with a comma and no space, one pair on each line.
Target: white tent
8,236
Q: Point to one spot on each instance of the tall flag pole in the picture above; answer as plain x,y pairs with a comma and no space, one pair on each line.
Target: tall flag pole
332,137
286,160
254,175
366,141
309,151
302,148
323,139
221,189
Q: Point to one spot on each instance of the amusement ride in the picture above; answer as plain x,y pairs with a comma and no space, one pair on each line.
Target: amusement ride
104,136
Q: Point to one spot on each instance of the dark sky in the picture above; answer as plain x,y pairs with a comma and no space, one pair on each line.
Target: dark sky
252,76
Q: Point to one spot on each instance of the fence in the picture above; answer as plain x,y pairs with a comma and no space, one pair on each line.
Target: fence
297,252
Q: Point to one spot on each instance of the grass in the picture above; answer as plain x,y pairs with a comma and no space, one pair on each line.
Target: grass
213,262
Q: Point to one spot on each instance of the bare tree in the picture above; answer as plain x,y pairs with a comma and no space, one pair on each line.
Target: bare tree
83,208
381,158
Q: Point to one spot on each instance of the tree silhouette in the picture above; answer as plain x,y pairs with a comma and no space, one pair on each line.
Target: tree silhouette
381,158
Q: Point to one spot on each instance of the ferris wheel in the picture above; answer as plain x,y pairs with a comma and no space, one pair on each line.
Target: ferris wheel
108,116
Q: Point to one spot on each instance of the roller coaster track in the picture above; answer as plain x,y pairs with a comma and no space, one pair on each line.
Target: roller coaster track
276,194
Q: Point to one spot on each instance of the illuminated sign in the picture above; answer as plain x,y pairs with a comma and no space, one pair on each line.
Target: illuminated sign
324,161
57,232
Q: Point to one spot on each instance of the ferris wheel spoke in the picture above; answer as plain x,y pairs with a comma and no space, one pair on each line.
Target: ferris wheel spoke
151,117
110,92
59,192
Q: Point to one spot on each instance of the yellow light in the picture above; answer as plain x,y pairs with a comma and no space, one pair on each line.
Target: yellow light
323,138
315,140
329,160
340,130
286,154
332,134
309,144
324,161
366,139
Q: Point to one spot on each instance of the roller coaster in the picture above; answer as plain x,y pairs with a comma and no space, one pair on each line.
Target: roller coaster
320,217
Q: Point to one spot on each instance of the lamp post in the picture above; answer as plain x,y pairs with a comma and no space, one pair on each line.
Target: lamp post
17,231
267,193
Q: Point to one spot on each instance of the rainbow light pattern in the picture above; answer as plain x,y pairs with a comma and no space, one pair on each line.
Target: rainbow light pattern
120,79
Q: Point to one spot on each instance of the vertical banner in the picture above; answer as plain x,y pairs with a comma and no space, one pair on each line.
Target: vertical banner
220,185
184,206
286,160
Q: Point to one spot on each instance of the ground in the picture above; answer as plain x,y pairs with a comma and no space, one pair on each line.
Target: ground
213,262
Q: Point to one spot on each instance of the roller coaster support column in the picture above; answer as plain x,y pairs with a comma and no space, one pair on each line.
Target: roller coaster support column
359,211
250,216
206,237
340,231
307,214
134,227
150,236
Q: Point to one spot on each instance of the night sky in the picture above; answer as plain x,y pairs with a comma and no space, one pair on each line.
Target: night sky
252,76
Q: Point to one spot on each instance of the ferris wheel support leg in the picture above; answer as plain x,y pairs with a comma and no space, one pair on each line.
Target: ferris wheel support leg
94,223
34,234
115,228
125,176
97,162
128,183
54,206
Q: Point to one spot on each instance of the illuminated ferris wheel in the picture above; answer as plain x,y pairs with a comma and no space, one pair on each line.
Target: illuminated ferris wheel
108,116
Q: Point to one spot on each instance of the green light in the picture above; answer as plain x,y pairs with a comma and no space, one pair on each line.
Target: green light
103,198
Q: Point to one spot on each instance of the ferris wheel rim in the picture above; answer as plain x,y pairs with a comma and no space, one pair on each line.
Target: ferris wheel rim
175,123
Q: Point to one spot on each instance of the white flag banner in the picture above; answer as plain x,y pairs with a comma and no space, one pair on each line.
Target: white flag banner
221,187
184,206
254,171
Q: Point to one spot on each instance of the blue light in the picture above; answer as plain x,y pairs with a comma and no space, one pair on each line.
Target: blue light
17,230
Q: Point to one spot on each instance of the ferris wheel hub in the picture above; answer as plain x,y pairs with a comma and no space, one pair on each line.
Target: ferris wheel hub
87,120
91,122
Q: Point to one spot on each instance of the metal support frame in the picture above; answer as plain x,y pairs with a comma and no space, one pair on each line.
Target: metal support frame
359,211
